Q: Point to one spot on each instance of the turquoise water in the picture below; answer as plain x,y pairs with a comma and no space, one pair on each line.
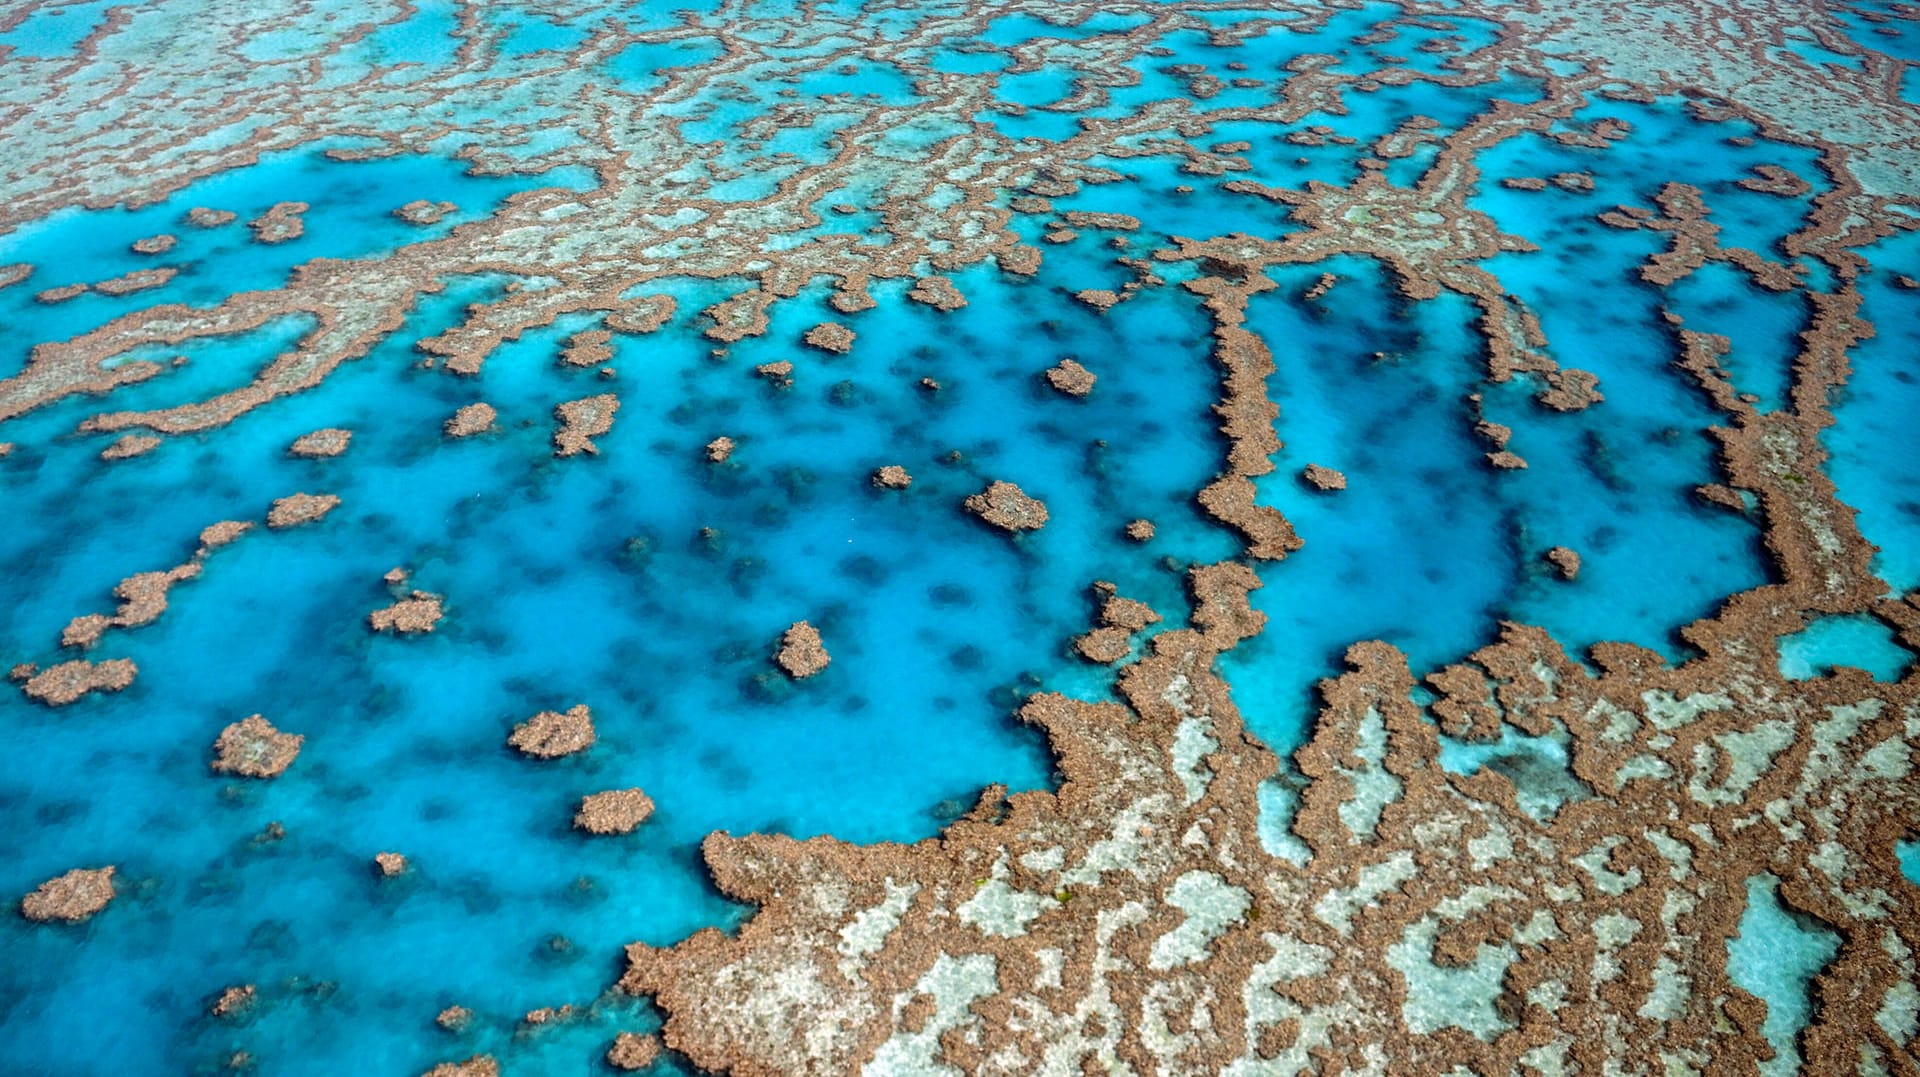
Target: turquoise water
1860,641
1775,956
1874,462
583,580
653,585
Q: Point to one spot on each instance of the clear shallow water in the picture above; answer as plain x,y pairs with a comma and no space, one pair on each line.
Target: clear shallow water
1862,642
589,579
1775,956
582,580
1876,457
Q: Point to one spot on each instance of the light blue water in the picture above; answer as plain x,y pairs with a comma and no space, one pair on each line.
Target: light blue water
1876,457
1775,956
582,580
49,31
351,216
1861,641
653,585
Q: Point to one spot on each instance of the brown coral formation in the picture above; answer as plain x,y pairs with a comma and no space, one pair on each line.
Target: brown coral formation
454,1019
390,865
581,421
1323,478
552,734
301,508
476,1066
130,445
280,223
936,292
1565,560
891,477
1140,530
234,1001
253,748
779,373
422,212
590,348
632,1051
469,420
1007,507
331,441
419,611
831,337
138,280
719,449
159,244
1133,918
202,217
1120,618
67,682
802,653
71,898
616,811
1069,377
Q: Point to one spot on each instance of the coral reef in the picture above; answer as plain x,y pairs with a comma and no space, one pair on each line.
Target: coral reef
802,653
234,1001
469,420
831,337
422,212
282,221
581,421
70,898
67,682
891,477
552,734
331,441
1007,507
616,811
632,1051
301,508
419,611
476,1066
1565,560
1071,378
253,748
1323,478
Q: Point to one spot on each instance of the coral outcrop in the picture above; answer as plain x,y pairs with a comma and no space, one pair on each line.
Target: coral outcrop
552,734
71,898
802,653
1007,507
253,748
616,811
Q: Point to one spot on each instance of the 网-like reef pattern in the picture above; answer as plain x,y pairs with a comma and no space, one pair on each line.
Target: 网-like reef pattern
1375,536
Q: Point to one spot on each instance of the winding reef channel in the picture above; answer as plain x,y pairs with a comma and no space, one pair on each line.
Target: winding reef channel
916,537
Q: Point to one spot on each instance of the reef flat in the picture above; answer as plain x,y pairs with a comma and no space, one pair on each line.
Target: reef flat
911,537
